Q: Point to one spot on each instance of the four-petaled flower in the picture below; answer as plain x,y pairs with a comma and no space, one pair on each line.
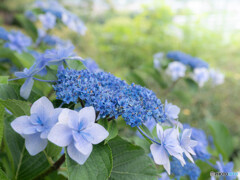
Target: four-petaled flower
169,146
78,131
35,128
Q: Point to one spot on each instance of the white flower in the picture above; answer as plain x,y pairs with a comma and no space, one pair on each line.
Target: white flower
176,70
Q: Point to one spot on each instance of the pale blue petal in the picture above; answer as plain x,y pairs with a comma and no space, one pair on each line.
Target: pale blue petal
97,133
53,119
20,123
26,88
20,74
43,72
29,130
60,135
160,132
87,114
76,155
43,108
73,119
34,144
82,144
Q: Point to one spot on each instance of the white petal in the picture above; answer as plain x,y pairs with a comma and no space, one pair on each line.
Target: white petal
43,108
189,156
81,143
87,113
160,155
76,155
73,121
167,166
60,135
20,123
160,132
97,133
34,144
63,117
54,117
26,88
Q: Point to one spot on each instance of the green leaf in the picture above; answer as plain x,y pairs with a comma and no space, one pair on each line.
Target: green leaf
52,150
133,77
28,26
222,138
17,107
3,176
111,127
130,161
26,59
75,64
146,130
97,167
2,111
7,53
25,166
191,83
4,79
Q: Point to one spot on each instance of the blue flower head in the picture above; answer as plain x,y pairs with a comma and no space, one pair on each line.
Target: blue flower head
201,76
48,20
78,132
36,127
18,41
3,34
30,15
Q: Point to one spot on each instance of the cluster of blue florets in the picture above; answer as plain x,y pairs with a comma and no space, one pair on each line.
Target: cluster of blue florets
189,169
109,95
186,59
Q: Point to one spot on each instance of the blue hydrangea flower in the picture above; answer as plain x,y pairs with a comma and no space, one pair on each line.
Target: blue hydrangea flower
3,34
91,65
18,41
216,76
169,146
30,15
164,176
78,131
187,143
176,70
157,58
187,59
189,169
35,128
171,112
48,20
201,148
201,76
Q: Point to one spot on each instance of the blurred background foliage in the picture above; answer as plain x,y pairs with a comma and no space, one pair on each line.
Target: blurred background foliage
124,40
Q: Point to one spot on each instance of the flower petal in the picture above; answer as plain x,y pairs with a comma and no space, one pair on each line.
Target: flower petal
34,144
43,108
97,133
160,132
26,88
20,123
76,155
88,114
64,117
73,119
60,135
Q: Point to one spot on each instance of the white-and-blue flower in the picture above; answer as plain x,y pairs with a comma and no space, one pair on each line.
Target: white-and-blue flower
35,128
200,75
169,146
157,58
216,76
78,131
176,70
48,20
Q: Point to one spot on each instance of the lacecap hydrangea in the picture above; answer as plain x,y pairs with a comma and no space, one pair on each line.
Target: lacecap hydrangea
110,96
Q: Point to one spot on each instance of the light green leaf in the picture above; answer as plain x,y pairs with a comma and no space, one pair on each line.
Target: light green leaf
4,79
3,175
222,138
111,127
25,166
2,111
97,167
17,107
26,59
130,162
75,64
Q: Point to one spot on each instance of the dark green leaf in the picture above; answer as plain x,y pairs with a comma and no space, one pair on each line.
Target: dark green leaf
111,127
3,176
191,83
52,150
97,167
2,111
130,162
222,138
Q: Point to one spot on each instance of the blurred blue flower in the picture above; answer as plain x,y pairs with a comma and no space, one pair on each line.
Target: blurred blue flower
216,76
164,176
17,41
176,70
78,131
187,143
157,58
30,15
48,20
35,128
201,76
91,65
3,34
169,146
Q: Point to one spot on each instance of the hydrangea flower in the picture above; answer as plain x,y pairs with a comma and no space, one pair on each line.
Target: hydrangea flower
189,169
18,41
169,146
48,20
164,176
187,144
200,75
176,70
157,58
91,65
35,128
78,131
3,34
30,15
216,76
171,112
